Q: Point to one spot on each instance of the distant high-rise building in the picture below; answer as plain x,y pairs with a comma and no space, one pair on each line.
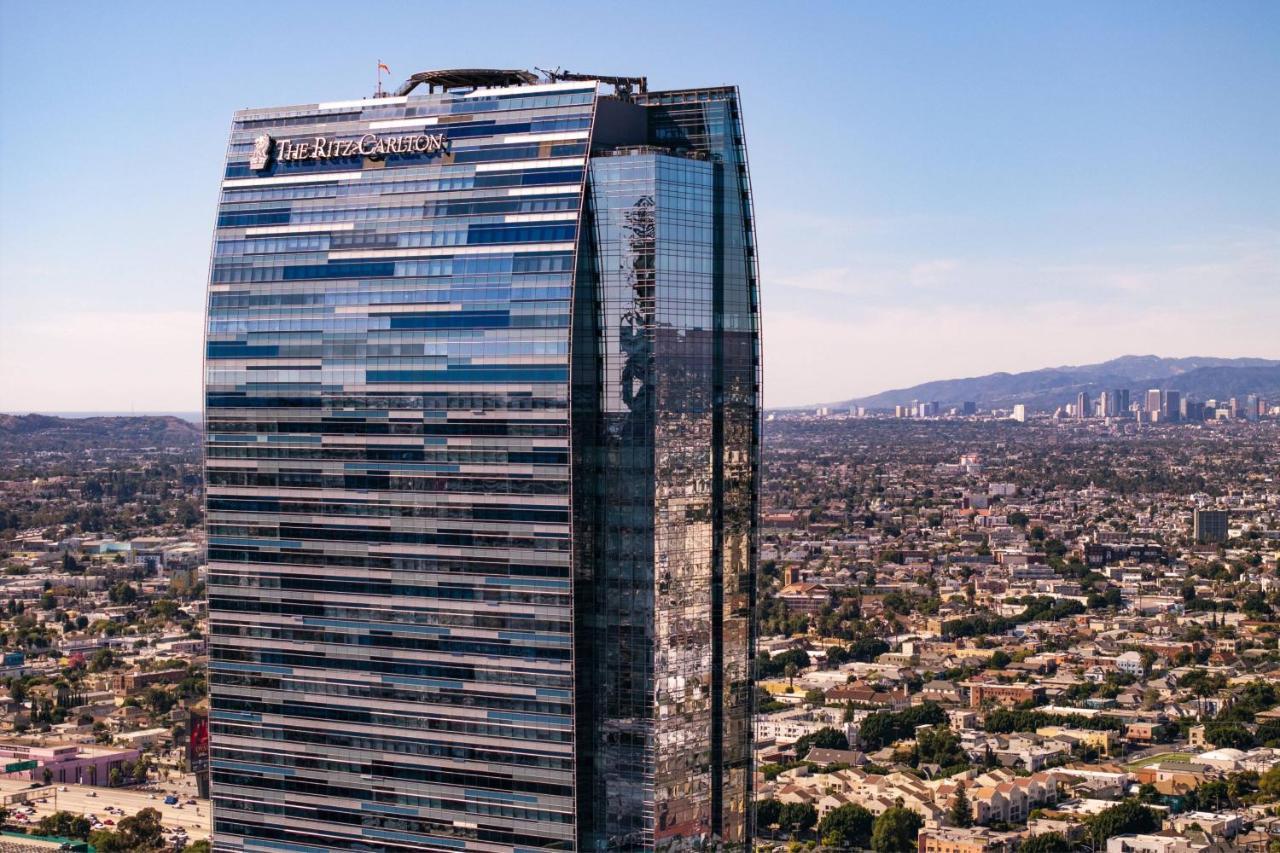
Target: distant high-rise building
1251,407
1020,412
482,415
969,408
1171,406
1122,401
1153,401
1082,405
1211,525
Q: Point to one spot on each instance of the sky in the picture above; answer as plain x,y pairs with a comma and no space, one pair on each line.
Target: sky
942,189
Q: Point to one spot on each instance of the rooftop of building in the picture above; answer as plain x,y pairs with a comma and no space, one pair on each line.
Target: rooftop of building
477,81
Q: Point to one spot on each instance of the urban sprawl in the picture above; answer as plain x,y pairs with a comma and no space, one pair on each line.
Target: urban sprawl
975,631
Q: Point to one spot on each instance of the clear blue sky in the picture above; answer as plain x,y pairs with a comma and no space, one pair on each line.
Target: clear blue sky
943,189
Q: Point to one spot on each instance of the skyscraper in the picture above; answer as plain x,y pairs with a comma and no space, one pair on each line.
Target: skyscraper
1210,525
1107,404
1083,405
482,415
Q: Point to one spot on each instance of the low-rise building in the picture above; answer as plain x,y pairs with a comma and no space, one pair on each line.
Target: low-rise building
67,764
953,840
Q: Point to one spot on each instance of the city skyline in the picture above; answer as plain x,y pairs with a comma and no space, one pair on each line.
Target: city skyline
423,427
1075,188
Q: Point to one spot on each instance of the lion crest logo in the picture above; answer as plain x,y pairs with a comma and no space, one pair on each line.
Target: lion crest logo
261,152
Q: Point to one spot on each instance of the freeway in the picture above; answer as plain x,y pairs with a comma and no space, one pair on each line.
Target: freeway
88,800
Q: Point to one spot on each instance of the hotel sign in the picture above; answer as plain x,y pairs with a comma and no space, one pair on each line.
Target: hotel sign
371,145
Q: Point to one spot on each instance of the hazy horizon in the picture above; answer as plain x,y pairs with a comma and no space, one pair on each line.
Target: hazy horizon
196,415
941,191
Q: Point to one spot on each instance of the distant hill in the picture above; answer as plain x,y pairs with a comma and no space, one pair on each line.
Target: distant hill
43,433
1199,377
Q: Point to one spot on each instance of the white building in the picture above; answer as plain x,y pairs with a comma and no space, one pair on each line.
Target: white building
1149,844
1131,663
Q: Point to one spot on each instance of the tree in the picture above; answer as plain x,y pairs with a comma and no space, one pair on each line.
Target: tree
771,666
1048,842
884,727
201,846
797,817
102,659
940,746
867,649
1127,818
961,812
847,827
122,593
1231,735
768,812
824,738
143,831
1212,794
66,824
1269,784
895,831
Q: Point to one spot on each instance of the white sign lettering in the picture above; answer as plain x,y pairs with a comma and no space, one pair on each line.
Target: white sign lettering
370,145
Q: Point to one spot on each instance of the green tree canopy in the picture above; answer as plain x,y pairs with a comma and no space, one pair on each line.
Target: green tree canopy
65,824
895,831
1125,818
141,832
1047,842
825,738
885,727
847,827
960,813
768,812
1231,735
798,817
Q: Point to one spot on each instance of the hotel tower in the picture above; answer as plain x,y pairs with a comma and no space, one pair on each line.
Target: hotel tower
482,398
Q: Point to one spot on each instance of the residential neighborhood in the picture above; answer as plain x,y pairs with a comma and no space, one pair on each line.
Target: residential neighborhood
1019,632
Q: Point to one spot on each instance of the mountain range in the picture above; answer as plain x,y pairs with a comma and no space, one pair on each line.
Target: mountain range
1196,376
45,433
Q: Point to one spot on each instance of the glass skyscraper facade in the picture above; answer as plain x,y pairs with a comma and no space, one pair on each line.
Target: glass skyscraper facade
482,439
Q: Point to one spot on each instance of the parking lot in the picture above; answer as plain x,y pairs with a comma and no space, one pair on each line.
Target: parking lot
111,804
